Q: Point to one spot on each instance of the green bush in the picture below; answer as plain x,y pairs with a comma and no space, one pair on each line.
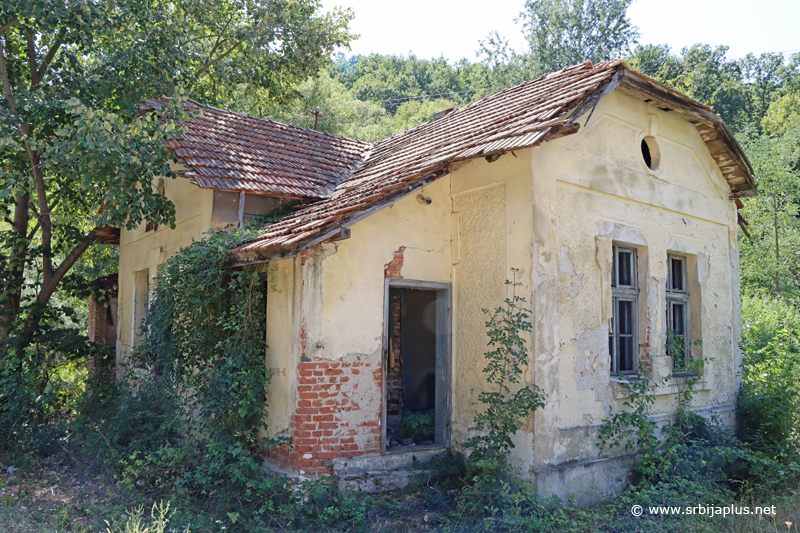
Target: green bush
419,425
324,505
506,405
769,400
185,420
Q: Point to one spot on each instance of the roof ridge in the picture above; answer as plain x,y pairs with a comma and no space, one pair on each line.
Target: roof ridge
273,121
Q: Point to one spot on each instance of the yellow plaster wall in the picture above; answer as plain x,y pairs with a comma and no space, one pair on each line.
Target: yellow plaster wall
140,250
591,190
343,286
283,342
491,231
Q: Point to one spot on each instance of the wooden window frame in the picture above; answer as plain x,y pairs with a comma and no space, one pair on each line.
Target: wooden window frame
678,296
624,293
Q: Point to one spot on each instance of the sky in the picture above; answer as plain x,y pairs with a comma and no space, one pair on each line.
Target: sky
453,28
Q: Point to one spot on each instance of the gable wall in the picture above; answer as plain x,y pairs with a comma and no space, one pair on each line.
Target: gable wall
592,190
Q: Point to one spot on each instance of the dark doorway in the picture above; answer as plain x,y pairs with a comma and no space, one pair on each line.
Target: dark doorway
416,364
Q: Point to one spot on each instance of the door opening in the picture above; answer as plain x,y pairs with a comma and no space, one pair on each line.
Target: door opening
416,366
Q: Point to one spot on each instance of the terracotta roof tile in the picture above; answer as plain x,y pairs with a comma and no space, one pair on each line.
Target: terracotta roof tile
514,118
230,151
351,179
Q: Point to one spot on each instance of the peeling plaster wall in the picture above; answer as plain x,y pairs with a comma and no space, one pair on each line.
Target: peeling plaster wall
343,282
283,342
591,190
325,328
491,230
140,250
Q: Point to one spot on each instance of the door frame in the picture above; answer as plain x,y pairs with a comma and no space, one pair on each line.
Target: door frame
444,321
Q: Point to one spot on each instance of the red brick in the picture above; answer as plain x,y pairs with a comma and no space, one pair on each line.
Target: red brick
307,411
328,455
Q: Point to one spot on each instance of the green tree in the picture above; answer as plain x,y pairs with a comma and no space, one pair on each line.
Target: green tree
561,33
770,258
76,158
393,80
341,113
740,90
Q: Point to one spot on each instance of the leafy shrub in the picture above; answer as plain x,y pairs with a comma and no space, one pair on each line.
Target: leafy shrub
769,400
503,411
323,504
185,420
135,521
419,425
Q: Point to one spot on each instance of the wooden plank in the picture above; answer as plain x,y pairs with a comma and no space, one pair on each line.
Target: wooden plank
743,194
717,146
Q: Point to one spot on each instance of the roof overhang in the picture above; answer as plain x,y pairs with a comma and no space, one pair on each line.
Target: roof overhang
722,145
726,151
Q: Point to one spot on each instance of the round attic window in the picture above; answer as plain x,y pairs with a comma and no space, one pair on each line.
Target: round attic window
651,154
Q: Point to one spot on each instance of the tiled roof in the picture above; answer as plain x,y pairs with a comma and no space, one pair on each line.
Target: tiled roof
515,118
230,151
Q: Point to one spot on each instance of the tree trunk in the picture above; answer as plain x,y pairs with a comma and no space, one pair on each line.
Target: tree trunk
777,248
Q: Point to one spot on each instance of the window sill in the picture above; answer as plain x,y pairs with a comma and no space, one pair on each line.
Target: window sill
625,378
672,386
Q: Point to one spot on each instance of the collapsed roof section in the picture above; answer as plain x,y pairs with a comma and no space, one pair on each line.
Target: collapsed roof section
230,151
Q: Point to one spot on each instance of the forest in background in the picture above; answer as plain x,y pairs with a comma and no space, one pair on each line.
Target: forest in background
376,96
75,154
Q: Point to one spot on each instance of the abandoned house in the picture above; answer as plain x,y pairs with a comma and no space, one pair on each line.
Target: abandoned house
613,195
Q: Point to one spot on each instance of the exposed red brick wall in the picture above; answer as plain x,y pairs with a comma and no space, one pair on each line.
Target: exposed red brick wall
98,316
322,427
393,267
305,254
97,320
395,408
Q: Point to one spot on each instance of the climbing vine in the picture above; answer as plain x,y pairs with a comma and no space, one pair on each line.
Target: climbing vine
188,417
205,333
